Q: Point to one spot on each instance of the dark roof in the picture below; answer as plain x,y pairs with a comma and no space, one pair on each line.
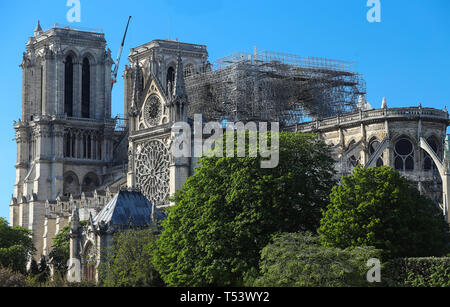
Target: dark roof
126,207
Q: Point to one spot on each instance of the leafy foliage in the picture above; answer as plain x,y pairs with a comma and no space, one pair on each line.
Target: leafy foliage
57,281
44,271
229,210
16,247
378,207
9,278
34,268
298,260
129,263
418,272
60,253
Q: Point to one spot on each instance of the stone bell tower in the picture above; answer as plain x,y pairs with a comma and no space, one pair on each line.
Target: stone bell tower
155,99
65,134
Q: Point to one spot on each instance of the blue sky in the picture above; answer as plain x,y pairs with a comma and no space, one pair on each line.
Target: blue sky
405,57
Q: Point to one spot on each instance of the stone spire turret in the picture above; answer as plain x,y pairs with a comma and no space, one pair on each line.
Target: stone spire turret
136,95
75,220
384,103
179,91
38,29
178,98
136,86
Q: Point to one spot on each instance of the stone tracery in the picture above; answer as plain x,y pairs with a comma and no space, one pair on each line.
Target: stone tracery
152,171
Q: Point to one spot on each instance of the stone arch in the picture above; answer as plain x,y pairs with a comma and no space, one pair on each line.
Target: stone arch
404,153
87,54
69,78
89,261
90,182
351,142
72,52
170,76
86,78
71,184
70,144
171,73
188,70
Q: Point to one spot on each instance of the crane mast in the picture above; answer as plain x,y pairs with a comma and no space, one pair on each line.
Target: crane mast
116,64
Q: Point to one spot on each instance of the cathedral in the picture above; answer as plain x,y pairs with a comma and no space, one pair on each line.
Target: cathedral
76,162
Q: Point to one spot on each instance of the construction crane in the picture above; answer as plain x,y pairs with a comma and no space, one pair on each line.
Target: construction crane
116,64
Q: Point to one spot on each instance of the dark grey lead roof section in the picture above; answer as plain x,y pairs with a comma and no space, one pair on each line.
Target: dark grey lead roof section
127,207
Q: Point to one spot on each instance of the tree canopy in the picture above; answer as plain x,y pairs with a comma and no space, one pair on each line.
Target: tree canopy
129,261
231,207
298,260
60,253
379,207
16,247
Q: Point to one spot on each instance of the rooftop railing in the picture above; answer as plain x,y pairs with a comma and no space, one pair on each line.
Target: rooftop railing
379,114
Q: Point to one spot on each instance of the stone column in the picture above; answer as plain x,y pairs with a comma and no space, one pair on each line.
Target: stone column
91,139
77,76
49,234
75,257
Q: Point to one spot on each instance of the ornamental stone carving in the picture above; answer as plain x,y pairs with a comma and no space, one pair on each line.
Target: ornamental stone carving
152,111
152,171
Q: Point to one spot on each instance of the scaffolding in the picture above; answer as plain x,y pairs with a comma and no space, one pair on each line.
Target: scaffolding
271,86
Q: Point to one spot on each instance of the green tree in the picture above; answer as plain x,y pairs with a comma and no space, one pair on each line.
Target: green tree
229,209
34,268
298,260
129,262
44,271
10,279
16,247
378,207
60,254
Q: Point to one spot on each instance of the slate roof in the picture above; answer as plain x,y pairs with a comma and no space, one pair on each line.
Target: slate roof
127,206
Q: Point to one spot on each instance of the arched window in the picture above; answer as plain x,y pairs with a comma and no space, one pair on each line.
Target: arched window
353,161
170,77
85,144
351,144
71,184
69,144
188,70
428,163
89,263
90,183
404,155
86,89
68,86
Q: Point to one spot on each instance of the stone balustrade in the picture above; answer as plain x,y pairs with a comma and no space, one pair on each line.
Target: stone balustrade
370,116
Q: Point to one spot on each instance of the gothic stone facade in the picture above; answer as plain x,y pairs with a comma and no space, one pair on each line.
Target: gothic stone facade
155,99
411,140
65,137
69,147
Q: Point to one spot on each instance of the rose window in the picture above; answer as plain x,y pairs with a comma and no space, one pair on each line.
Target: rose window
152,171
152,111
